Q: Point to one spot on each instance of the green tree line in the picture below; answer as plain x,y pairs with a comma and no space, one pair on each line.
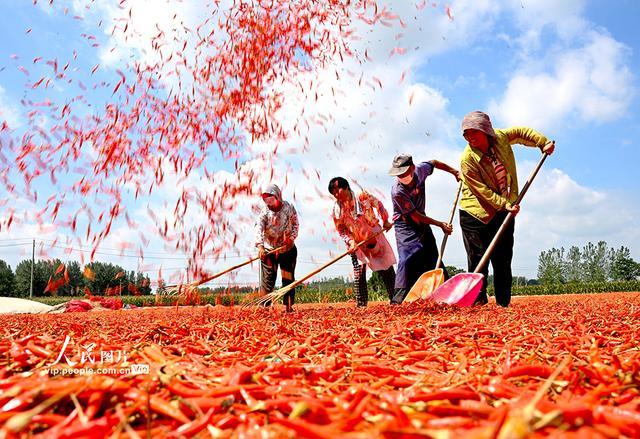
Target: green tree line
592,263
70,279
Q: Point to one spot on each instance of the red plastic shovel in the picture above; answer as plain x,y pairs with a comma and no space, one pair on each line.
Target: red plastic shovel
432,279
463,289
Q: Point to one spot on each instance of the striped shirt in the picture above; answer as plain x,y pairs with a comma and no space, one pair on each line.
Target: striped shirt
501,173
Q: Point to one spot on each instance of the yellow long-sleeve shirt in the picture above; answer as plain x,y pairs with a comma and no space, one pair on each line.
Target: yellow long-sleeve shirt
481,191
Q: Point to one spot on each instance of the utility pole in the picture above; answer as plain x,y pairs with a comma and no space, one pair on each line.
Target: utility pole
33,261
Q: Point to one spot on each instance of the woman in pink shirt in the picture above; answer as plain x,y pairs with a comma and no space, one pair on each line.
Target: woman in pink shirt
358,217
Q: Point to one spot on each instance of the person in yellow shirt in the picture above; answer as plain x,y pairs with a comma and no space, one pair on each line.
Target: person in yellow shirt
490,187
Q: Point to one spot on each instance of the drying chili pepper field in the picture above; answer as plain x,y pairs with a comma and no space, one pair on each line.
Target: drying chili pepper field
564,366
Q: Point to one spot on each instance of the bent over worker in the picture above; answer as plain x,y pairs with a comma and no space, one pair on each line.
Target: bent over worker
490,186
417,249
358,217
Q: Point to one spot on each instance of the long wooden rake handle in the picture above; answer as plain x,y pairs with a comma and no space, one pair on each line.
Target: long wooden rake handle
180,287
284,290
446,237
242,264
509,217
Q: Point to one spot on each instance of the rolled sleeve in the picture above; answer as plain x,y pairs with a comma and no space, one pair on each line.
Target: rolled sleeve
526,136
424,169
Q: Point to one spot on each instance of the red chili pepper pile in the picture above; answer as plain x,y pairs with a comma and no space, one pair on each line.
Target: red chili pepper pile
566,366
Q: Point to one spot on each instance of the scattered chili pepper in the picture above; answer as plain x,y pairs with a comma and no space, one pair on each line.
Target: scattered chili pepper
234,383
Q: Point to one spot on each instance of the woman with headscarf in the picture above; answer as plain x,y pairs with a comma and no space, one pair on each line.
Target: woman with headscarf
277,226
490,187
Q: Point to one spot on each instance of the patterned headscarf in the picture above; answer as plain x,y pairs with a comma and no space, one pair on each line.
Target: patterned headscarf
478,120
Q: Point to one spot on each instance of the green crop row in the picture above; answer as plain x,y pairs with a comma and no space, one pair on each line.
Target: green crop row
576,288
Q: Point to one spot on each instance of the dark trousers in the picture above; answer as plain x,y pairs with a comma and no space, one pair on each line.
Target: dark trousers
360,281
419,263
477,236
269,271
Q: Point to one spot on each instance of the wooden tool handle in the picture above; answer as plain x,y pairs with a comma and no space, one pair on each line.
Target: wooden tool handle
446,237
487,254
333,261
242,264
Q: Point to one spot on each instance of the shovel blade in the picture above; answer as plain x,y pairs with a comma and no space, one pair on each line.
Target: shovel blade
425,285
462,289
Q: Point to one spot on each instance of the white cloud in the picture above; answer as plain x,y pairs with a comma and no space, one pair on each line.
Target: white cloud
592,83
536,18
145,32
427,31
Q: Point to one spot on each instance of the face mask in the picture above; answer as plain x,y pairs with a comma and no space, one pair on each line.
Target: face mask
406,180
272,203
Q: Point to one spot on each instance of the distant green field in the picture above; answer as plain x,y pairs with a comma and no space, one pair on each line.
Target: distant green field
577,288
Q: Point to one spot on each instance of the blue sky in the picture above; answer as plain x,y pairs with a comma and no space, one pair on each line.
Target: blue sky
565,68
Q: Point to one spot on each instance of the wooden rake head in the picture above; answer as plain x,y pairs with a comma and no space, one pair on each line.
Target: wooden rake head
272,297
